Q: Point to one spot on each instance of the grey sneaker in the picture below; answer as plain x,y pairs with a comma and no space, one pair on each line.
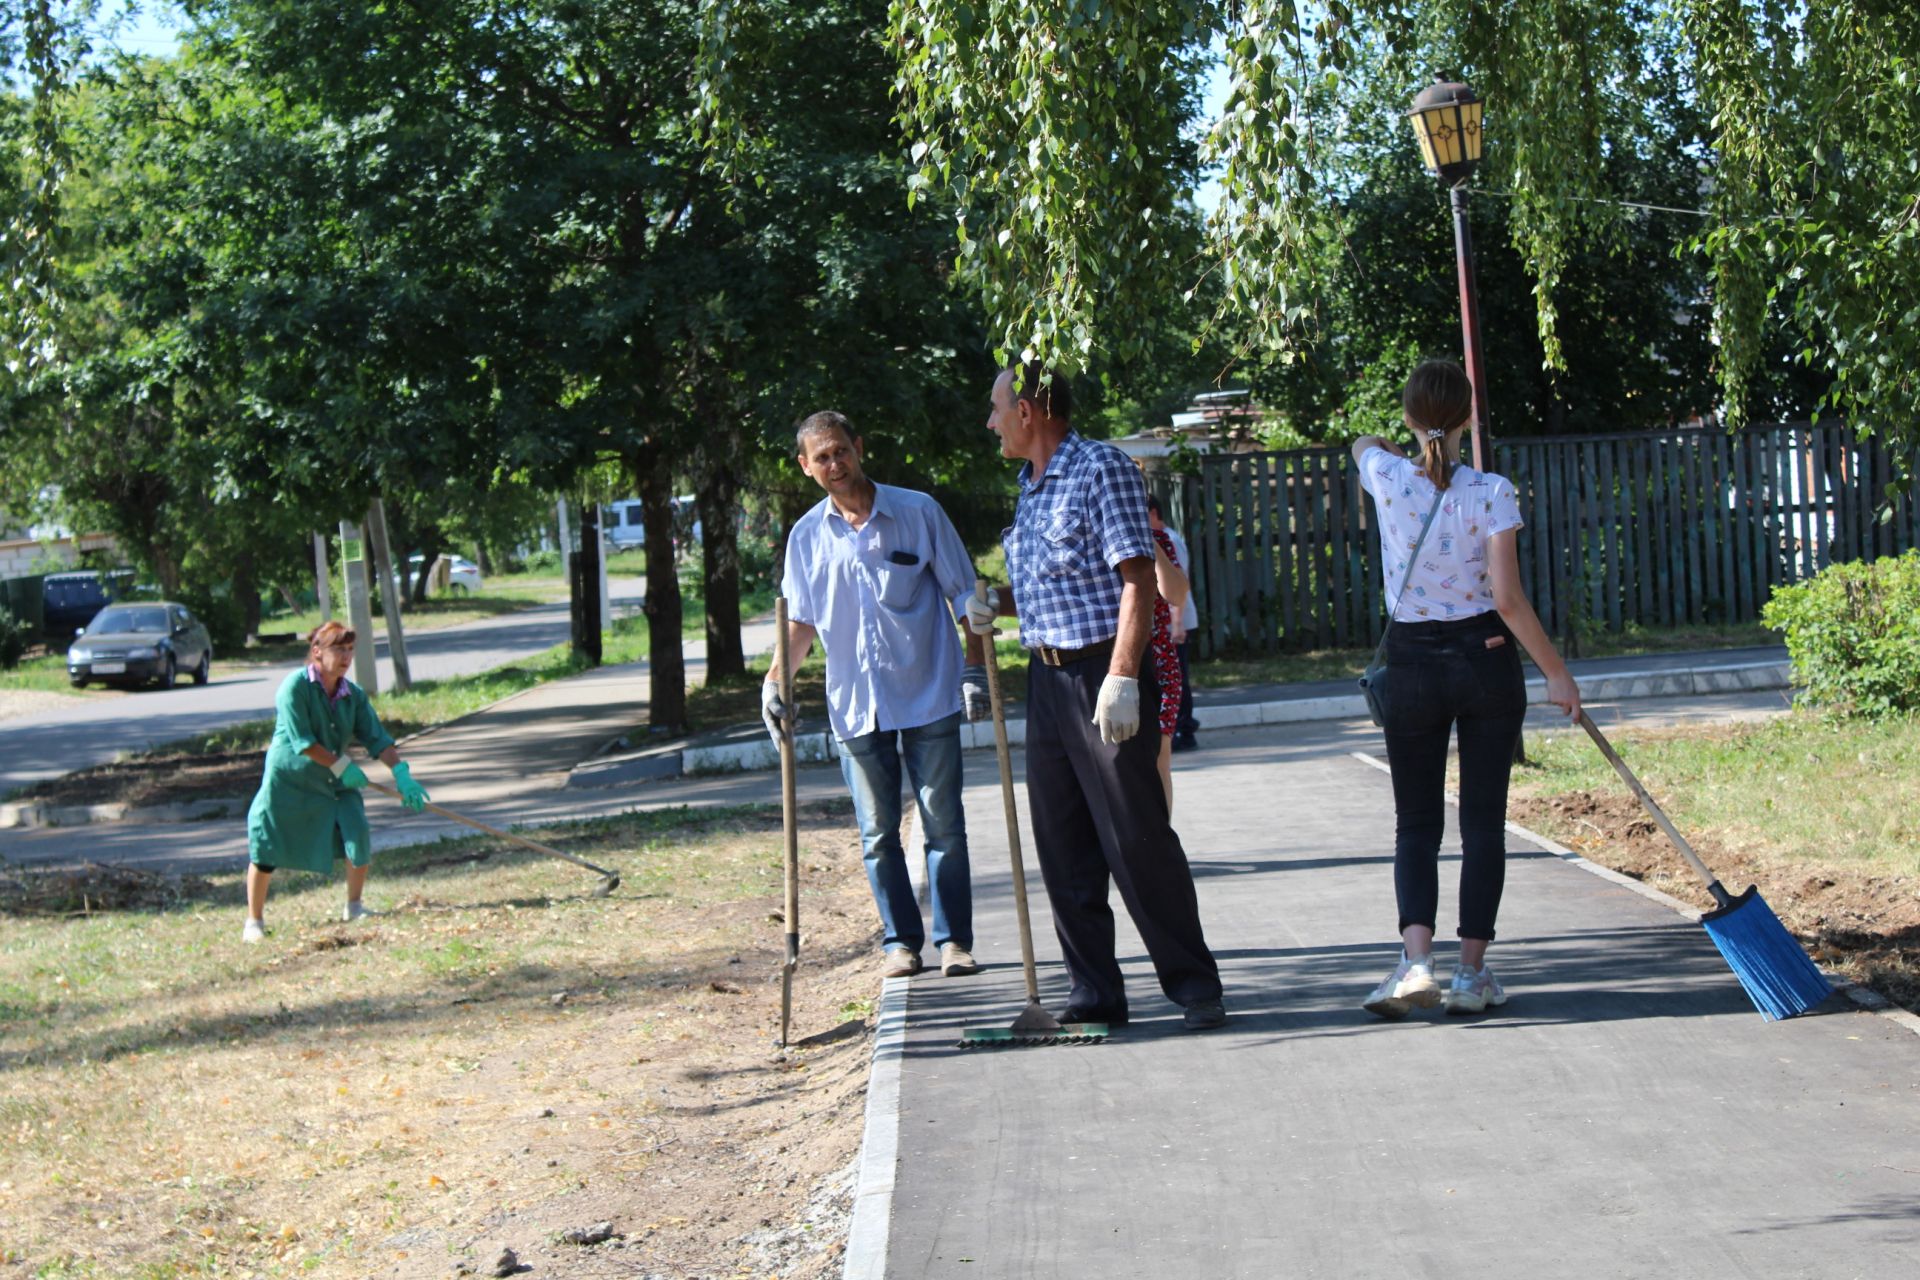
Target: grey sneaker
956,961
900,963
1474,990
357,911
1410,986
253,933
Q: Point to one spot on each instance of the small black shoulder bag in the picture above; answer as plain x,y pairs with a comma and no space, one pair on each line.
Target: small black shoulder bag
1373,681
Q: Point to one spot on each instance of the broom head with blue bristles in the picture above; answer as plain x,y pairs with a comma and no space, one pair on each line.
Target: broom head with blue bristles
1777,973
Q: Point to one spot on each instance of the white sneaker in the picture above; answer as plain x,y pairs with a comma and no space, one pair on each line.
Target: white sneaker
357,911
255,932
1411,985
1473,990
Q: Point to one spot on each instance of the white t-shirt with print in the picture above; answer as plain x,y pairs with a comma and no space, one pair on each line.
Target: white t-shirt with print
1451,580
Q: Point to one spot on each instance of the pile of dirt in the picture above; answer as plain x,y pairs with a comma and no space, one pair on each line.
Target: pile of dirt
1861,923
142,781
94,887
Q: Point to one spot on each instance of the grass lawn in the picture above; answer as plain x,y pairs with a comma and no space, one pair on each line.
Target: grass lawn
497,1058
45,674
1822,814
1803,787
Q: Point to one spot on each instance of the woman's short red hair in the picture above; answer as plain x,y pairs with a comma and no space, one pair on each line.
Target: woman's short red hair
329,635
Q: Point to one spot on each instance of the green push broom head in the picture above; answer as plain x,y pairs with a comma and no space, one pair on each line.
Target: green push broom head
1035,1026
1778,976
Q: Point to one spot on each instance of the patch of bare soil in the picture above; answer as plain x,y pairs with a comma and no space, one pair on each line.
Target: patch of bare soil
231,775
1858,923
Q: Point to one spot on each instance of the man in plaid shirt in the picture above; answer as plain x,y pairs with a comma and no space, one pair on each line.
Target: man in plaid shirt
1080,556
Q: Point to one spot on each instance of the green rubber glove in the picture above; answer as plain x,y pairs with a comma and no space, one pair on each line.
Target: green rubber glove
353,777
412,794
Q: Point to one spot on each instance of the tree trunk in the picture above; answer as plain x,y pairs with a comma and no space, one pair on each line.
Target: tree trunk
720,559
585,575
667,693
247,589
429,552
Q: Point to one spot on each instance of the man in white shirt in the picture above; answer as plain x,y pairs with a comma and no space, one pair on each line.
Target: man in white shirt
875,571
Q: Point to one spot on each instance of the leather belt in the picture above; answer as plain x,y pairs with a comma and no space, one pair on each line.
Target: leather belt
1061,657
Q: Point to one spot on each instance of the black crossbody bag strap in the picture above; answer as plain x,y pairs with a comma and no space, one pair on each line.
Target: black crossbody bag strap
1439,496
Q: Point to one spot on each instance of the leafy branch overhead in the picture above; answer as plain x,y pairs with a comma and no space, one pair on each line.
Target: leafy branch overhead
1064,134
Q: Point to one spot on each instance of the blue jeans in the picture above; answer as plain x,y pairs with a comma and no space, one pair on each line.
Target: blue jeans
871,765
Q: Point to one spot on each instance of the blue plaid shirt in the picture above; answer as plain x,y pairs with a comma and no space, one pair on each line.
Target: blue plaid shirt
1070,532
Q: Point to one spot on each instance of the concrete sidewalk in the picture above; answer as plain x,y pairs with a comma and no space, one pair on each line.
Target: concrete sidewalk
1626,1114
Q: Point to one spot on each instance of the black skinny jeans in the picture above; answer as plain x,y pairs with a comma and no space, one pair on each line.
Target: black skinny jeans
1443,674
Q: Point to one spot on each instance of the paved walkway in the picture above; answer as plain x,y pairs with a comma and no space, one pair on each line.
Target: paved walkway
1627,1113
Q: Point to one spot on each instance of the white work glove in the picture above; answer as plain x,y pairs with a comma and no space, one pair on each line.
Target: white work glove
974,699
772,709
980,615
1117,712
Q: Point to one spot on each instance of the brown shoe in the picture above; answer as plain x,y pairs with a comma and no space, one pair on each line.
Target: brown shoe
956,961
900,963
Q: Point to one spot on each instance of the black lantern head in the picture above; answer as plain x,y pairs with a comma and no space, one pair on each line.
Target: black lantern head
1446,120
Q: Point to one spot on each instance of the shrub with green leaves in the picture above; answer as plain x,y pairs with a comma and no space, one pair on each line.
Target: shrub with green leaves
1854,633
13,639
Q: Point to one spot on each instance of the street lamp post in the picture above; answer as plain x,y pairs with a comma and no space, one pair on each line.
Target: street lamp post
1446,121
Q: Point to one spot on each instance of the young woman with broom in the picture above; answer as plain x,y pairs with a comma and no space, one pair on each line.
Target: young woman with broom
1457,617
308,811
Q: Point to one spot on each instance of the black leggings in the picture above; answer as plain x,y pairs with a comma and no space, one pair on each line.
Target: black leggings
1443,674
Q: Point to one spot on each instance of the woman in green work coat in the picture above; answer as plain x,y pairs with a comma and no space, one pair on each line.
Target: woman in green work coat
308,811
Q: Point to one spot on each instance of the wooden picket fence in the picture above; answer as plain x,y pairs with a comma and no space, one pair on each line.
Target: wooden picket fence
1658,529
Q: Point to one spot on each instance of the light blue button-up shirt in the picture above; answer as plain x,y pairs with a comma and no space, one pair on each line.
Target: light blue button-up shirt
880,597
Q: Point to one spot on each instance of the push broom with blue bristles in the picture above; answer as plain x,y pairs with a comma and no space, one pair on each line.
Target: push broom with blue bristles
1776,971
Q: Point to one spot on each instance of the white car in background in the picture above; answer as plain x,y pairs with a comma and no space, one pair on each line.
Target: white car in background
463,575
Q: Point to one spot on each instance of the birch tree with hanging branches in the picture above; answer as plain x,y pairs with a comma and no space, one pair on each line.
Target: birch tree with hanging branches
1054,126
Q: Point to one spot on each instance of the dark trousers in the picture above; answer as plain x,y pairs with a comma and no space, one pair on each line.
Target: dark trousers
1099,815
1186,725
1443,675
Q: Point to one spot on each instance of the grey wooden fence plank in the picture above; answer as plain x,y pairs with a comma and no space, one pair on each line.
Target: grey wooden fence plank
1269,616
1217,596
1642,520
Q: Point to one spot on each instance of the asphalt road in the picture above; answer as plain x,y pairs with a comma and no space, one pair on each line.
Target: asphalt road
95,730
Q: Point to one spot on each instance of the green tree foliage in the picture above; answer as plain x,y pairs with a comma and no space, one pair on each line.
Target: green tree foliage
1634,315
42,41
526,252
1037,114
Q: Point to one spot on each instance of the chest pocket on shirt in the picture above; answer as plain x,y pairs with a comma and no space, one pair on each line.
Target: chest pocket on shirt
898,585
1064,547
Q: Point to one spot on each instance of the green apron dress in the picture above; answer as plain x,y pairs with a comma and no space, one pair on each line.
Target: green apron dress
304,817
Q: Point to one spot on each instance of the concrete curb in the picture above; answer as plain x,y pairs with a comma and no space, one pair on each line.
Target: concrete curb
1866,999
866,1257
38,813
759,752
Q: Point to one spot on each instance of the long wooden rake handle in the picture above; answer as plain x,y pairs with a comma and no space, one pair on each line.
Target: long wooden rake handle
790,818
478,825
1013,812
1659,815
